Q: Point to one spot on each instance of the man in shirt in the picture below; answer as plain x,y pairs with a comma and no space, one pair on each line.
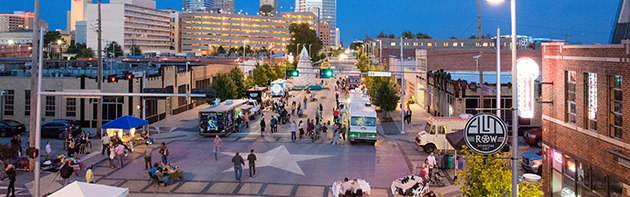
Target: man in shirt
355,186
147,156
346,185
336,114
238,165
105,140
273,124
48,150
120,153
432,164
164,152
252,163
217,145
89,176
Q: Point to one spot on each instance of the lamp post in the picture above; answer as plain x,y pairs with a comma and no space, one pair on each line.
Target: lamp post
514,101
310,53
59,42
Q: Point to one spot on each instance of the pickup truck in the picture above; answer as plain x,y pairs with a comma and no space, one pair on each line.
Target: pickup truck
532,162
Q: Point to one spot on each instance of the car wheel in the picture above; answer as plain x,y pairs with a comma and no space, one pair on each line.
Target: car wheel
3,134
539,143
430,148
61,136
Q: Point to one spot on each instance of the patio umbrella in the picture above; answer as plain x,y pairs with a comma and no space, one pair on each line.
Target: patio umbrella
456,139
125,122
81,189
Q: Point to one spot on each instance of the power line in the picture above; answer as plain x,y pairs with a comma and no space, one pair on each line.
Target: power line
566,36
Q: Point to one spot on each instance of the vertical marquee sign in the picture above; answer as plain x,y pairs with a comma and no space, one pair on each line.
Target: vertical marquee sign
528,71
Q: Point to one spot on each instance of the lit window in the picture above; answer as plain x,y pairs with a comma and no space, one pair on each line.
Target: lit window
455,44
616,103
445,44
570,96
393,43
590,79
415,44
485,44
429,44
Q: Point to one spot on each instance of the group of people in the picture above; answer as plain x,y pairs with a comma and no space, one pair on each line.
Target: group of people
239,163
351,188
115,149
166,173
76,147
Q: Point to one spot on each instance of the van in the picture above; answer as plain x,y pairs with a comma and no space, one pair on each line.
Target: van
434,135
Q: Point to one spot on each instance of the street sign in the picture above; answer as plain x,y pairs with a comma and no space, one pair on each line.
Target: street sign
485,133
379,74
82,91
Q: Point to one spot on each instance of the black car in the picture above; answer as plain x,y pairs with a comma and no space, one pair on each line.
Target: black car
8,129
20,127
55,128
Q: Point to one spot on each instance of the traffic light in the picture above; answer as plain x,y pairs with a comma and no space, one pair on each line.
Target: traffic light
32,152
325,73
112,78
293,73
128,76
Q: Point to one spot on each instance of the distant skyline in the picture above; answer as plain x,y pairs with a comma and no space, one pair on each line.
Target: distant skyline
586,21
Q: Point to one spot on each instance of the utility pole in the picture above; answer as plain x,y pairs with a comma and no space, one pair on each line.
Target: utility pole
402,90
99,107
32,135
566,37
479,60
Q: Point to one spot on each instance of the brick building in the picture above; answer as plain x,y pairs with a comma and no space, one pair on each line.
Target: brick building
585,150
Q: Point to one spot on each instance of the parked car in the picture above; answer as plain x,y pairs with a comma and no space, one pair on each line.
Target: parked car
532,162
56,127
533,137
20,127
8,129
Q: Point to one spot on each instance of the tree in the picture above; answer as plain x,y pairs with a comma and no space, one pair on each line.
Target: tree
407,35
383,93
135,50
80,50
488,176
220,50
453,37
237,76
381,35
232,50
423,36
356,46
392,36
302,34
472,37
85,53
224,86
113,47
260,77
51,36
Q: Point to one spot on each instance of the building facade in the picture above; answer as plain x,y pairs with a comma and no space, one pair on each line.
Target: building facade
203,31
16,37
198,5
225,6
133,22
586,148
15,50
621,31
78,12
19,20
324,34
268,8
328,13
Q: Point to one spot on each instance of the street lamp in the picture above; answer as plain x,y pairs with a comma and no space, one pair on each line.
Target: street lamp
59,42
514,100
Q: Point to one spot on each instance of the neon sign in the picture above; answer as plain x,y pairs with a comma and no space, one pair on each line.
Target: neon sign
571,166
528,71
592,95
557,156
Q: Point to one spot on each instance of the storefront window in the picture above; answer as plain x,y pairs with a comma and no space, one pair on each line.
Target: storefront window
615,187
570,167
600,183
583,175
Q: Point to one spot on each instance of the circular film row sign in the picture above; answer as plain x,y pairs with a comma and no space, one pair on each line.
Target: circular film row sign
485,133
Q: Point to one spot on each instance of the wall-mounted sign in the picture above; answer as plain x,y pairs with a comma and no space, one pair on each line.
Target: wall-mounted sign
485,133
528,71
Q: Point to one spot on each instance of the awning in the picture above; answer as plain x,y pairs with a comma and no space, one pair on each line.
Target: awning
82,189
125,122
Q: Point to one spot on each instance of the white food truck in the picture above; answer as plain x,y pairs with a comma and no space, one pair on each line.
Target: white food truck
434,135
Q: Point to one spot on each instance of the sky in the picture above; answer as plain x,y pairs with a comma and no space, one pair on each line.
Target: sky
586,21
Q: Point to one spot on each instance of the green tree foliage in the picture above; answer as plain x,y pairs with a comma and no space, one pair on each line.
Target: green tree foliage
423,36
453,37
225,87
303,35
231,50
113,47
51,36
392,36
260,76
238,78
356,45
135,50
383,93
80,50
472,37
489,176
407,35
220,50
381,35
271,74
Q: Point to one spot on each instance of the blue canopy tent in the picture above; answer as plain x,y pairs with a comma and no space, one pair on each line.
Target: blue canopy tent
126,123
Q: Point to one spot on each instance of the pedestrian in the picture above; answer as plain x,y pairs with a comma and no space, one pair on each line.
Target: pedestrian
238,165
105,141
409,116
11,175
120,153
293,137
252,163
316,128
305,102
65,172
309,127
335,114
293,99
89,140
164,152
217,145
48,150
262,127
111,154
273,125
336,132
15,147
82,142
432,164
301,128
342,130
148,151
66,133
324,130
89,175
321,110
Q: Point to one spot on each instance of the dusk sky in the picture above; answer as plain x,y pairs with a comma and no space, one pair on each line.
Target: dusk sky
585,20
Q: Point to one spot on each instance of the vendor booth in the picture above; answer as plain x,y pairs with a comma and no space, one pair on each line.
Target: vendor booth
126,123
82,189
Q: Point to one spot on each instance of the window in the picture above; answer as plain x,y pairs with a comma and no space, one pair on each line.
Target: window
442,130
590,92
570,96
393,44
429,44
71,107
151,107
27,104
182,90
415,44
50,104
455,44
446,44
616,102
9,102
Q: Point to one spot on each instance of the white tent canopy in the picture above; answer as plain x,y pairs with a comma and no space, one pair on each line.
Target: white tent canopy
82,189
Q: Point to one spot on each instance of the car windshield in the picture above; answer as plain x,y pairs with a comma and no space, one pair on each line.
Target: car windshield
11,123
363,121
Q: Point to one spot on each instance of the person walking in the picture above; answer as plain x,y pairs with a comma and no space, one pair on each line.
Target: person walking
164,152
262,127
148,151
105,141
252,163
111,154
65,172
305,102
89,175
301,128
336,132
335,114
432,164
217,145
324,131
408,116
293,137
238,165
11,175
48,150
309,127
120,153
316,128
273,124
321,110
66,133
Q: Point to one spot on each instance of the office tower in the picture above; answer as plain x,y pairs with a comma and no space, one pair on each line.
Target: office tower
324,34
197,5
77,12
314,10
19,20
226,6
300,5
327,12
269,8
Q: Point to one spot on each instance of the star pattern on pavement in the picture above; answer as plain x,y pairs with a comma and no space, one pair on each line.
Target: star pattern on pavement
278,157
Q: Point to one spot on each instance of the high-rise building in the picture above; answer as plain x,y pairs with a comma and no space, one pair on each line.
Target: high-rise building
226,6
19,20
131,22
198,5
328,13
324,34
336,39
314,10
77,12
269,7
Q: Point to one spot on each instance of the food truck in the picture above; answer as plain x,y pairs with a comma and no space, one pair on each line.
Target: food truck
279,87
434,135
362,122
220,119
